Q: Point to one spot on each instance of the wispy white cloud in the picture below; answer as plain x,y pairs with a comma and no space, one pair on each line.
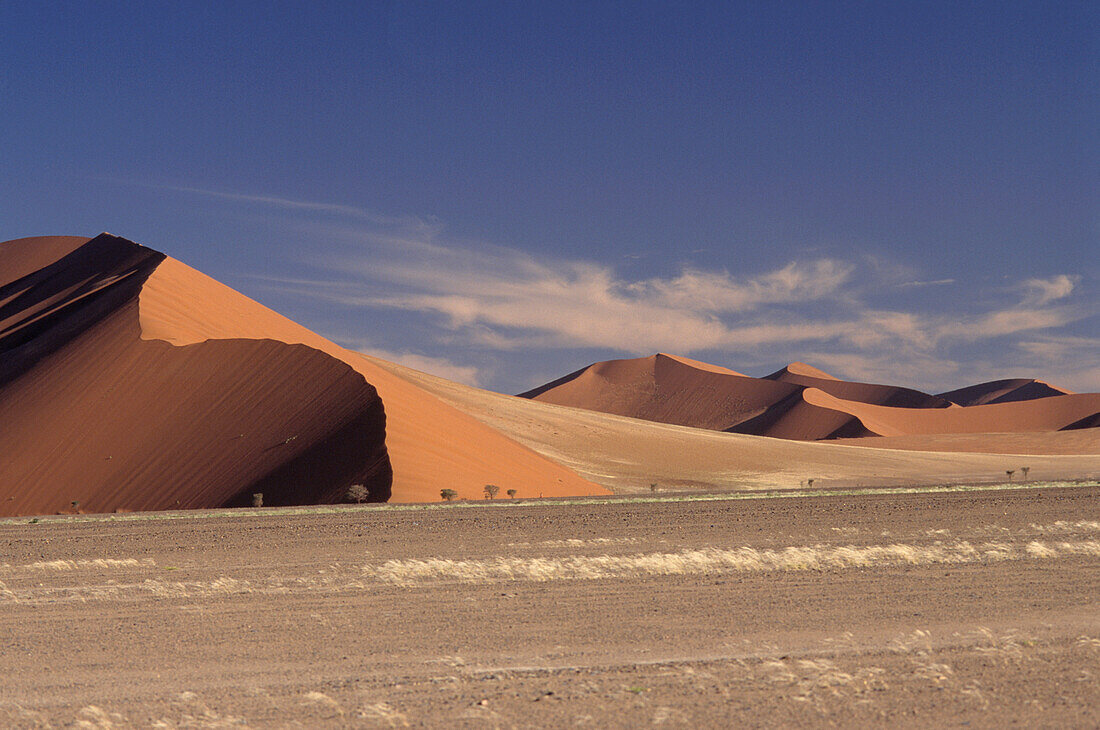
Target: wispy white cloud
439,366
1043,291
494,298
416,225
503,299
921,284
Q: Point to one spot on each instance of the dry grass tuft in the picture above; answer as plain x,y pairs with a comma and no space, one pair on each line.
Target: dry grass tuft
711,561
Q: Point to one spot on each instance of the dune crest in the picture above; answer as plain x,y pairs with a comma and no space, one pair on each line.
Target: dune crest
795,369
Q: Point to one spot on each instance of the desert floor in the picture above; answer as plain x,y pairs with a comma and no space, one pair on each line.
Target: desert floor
978,608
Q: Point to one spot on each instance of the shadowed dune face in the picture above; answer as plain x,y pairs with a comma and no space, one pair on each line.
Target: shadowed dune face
131,381
44,308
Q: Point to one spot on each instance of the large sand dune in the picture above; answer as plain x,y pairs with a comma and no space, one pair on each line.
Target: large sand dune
803,403
131,381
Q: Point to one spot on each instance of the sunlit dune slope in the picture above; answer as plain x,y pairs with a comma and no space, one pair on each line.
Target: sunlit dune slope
131,381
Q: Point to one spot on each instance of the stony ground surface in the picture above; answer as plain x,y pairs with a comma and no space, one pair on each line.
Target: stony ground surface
975,609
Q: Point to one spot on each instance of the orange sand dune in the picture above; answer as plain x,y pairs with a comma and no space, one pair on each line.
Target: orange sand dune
884,395
801,402
666,389
130,381
1002,391
1045,414
685,392
794,372
632,455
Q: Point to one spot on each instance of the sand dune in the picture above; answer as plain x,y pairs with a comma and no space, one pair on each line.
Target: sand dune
1046,414
131,381
629,454
666,389
1002,391
803,403
883,395
128,380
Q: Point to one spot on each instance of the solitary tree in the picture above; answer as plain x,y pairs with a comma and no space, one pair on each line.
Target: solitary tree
512,493
1010,472
448,494
357,493
809,482
1025,470
258,499
653,486
491,491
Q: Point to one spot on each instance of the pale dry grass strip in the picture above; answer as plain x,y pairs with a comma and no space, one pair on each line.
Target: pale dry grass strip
711,560
1063,526
578,542
67,565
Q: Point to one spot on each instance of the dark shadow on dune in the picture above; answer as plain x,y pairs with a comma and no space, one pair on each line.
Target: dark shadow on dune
86,286
1092,421
353,454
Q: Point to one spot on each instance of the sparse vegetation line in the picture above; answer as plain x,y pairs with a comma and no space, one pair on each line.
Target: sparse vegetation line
511,504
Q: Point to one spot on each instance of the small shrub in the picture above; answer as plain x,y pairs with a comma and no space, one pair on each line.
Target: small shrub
809,482
512,493
448,494
653,487
258,499
357,493
491,491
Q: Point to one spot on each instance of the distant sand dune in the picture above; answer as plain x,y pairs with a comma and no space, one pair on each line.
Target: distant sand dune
803,403
628,454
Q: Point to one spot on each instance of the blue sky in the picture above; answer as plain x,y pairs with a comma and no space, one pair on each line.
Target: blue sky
503,192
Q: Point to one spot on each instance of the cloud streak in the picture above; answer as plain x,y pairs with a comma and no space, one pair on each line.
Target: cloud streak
498,299
505,299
